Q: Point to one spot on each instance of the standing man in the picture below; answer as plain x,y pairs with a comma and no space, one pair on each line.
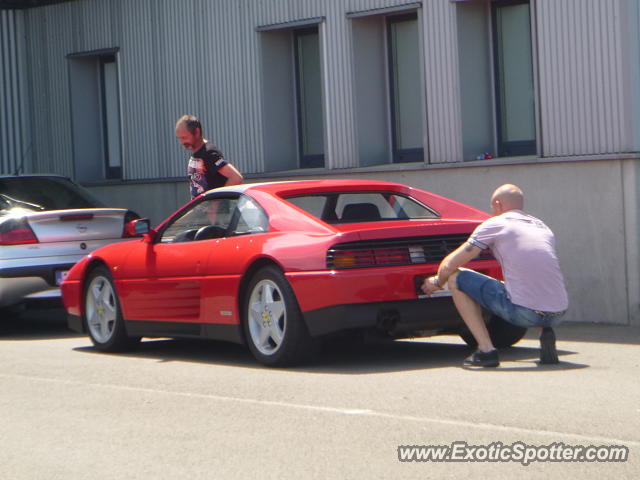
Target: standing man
533,293
207,168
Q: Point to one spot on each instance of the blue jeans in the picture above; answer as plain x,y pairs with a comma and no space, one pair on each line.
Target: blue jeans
492,296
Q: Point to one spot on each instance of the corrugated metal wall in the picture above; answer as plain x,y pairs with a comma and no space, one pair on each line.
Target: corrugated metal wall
582,97
15,137
631,11
202,57
444,125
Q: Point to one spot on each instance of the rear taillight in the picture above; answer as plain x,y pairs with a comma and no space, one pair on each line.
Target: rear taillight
353,258
16,231
370,257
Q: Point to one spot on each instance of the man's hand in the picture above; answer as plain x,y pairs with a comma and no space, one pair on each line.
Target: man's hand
430,285
451,263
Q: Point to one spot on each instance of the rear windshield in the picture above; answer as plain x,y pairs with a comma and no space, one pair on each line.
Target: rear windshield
44,193
354,207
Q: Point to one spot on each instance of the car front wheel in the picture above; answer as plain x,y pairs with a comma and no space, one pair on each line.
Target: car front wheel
274,328
102,313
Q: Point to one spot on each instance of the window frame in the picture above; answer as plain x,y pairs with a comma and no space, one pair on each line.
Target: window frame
399,155
519,147
110,172
314,160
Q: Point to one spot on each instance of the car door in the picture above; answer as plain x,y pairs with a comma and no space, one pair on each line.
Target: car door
228,258
165,281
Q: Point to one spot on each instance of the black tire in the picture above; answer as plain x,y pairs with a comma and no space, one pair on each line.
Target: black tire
503,334
102,313
274,329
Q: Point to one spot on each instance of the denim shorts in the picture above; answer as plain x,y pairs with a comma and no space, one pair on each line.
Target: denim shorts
491,294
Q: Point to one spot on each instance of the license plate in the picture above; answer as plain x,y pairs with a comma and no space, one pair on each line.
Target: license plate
60,276
445,292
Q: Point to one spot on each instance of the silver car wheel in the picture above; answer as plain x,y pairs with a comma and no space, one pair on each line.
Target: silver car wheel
267,317
101,309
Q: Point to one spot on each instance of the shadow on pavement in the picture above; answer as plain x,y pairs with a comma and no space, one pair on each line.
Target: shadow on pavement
594,333
341,358
35,324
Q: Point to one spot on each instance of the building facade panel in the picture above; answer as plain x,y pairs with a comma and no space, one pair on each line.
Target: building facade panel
105,76
582,96
442,86
14,125
50,34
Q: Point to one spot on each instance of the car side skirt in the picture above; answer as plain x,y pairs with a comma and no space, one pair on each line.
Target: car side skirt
396,318
135,328
225,332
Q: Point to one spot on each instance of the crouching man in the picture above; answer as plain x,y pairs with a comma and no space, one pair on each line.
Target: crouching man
533,293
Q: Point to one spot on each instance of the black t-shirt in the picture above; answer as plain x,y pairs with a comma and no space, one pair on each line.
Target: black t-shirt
203,169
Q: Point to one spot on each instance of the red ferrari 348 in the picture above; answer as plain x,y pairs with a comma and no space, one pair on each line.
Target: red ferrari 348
280,266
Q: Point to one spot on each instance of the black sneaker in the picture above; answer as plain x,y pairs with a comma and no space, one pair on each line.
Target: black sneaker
548,353
483,359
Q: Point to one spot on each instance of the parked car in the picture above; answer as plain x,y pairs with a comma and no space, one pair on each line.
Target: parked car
278,266
47,224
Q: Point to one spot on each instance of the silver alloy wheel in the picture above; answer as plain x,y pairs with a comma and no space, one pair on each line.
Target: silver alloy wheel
267,317
101,309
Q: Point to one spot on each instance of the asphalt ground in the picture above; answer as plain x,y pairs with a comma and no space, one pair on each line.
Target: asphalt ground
178,409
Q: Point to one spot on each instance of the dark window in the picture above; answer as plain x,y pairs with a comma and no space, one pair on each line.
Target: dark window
47,193
111,116
405,84
95,112
309,98
511,22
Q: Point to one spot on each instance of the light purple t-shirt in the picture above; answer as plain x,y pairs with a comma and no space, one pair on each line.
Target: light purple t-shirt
526,250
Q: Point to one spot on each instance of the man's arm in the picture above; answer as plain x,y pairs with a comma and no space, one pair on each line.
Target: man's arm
234,177
456,259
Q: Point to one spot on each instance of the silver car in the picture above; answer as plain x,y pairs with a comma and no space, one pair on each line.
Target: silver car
47,224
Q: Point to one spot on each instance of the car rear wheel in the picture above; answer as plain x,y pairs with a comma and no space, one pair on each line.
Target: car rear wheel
103,316
503,334
274,328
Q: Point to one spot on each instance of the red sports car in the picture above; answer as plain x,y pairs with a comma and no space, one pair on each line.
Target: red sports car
279,266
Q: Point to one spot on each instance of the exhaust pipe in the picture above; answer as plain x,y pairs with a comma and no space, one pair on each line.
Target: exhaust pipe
387,320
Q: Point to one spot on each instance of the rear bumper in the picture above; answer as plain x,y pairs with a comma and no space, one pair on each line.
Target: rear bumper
327,288
396,318
14,290
46,272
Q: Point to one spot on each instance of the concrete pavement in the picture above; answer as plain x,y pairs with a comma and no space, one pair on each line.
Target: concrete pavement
188,409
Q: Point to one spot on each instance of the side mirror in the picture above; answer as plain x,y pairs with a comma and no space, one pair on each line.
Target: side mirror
137,228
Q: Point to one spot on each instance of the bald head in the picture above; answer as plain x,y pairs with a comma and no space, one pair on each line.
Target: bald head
507,197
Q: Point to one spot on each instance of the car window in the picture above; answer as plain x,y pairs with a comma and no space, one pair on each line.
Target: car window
8,205
353,207
216,218
46,193
216,213
312,204
251,218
